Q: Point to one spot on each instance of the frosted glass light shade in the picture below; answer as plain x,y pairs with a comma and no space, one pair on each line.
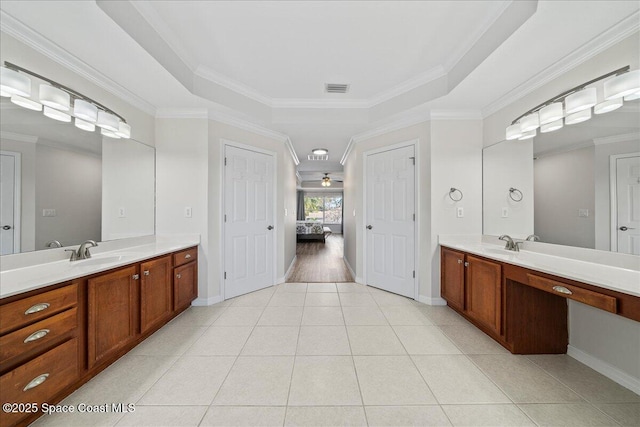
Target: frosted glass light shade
632,97
26,103
124,130
54,97
14,83
107,121
109,133
85,110
4,94
551,113
513,132
579,117
530,122
606,106
528,135
550,127
622,85
54,114
85,125
581,100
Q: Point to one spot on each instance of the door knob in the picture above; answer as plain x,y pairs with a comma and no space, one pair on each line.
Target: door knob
623,228
6,227
270,227
369,227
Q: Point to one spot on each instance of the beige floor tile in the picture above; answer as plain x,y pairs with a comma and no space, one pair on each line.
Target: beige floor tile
197,316
405,315
443,315
357,299
322,299
429,415
387,299
522,380
425,340
322,287
261,381
625,414
220,341
78,419
574,414
454,379
374,341
391,380
281,316
324,381
153,416
364,316
287,299
322,316
254,299
171,340
292,287
588,383
323,340
472,340
239,316
352,287
272,341
249,416
193,380
325,416
487,415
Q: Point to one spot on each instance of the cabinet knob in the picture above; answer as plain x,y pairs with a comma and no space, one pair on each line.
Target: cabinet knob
37,308
135,276
179,276
466,264
146,272
187,256
459,261
36,335
36,382
562,290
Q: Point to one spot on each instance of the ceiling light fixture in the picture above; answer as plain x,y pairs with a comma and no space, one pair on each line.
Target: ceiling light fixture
577,104
326,181
15,82
320,151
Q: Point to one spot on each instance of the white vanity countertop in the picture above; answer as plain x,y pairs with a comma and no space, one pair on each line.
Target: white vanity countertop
28,278
611,277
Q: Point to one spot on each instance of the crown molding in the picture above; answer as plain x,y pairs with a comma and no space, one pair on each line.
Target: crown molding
456,115
233,85
598,44
20,137
292,151
318,103
182,113
347,151
16,29
246,125
407,86
633,136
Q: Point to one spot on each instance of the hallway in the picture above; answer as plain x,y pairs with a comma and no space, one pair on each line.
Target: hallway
320,262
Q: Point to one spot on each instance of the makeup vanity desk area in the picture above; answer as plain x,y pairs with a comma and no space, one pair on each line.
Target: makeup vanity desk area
520,298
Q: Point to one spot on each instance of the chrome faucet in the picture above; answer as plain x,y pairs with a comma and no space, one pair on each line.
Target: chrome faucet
511,245
53,244
533,237
82,252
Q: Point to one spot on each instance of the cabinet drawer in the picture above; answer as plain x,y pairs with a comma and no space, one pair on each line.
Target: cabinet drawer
40,379
37,336
185,256
28,310
595,299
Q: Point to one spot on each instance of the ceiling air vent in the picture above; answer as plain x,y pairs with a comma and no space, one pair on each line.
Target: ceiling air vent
336,88
318,157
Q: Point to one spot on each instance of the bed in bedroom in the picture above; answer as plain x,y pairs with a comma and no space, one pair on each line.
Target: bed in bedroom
312,231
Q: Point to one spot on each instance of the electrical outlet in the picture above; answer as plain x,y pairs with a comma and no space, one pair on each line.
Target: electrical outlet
505,212
459,212
48,212
122,213
187,212
583,213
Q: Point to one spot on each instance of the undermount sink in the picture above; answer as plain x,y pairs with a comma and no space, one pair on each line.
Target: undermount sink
499,251
102,260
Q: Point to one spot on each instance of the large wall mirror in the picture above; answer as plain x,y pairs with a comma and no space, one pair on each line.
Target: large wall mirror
60,184
580,185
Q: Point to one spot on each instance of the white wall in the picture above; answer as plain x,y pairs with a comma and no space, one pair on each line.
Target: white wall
564,184
505,165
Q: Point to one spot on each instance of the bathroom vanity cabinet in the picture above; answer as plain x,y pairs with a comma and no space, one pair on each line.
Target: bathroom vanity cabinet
55,339
524,310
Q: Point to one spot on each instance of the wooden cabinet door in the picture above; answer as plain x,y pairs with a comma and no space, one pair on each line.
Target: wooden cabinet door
112,313
155,292
185,285
483,302
452,277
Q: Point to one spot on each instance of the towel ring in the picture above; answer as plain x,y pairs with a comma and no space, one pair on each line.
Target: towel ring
452,191
518,194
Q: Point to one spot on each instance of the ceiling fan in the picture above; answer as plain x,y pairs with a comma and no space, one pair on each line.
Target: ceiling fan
326,180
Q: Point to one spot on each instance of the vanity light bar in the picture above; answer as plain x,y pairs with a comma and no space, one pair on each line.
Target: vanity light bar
58,98
578,102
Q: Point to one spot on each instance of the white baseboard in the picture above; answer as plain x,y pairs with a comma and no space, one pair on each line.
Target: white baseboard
203,302
288,273
431,301
353,273
605,369
359,280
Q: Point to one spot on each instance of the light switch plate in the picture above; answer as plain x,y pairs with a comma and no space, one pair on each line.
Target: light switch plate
459,212
187,212
505,212
48,212
583,213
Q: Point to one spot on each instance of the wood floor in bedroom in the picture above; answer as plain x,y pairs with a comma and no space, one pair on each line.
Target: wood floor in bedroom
320,262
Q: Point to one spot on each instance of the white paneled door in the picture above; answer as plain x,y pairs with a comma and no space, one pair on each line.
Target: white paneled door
390,220
249,221
628,204
9,165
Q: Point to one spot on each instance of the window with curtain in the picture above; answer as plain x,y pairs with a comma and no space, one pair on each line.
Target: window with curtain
325,207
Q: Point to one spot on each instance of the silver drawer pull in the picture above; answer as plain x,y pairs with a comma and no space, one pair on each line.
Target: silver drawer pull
36,308
36,335
36,382
135,276
146,272
179,276
562,290
187,256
